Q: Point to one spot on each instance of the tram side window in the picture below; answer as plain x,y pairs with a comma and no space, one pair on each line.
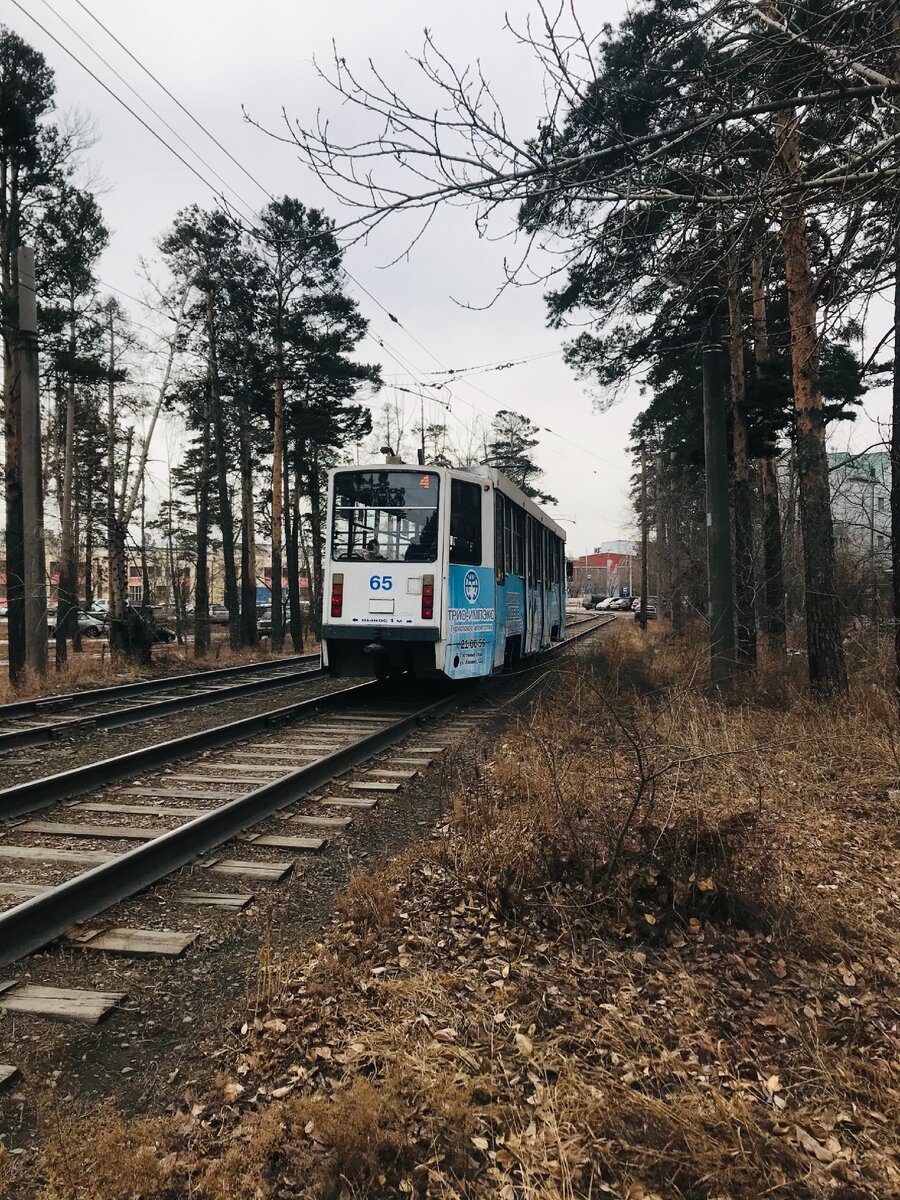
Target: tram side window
537,567
465,522
518,541
499,517
553,558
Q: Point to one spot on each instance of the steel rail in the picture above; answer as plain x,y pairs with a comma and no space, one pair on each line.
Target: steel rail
36,922
117,691
35,794
147,712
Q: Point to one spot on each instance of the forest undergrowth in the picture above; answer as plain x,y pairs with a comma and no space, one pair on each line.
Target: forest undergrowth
651,953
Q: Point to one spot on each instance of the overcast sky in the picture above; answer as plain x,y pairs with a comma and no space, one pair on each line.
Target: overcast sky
217,55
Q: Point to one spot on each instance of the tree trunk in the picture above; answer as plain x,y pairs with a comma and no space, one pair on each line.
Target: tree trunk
827,668
174,574
145,569
744,606
66,606
292,546
317,538
895,402
89,542
226,517
249,634
277,507
201,590
12,404
116,526
774,621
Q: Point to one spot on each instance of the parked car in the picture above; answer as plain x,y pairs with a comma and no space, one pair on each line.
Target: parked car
590,602
651,613
620,604
100,608
88,625
218,614
635,604
605,603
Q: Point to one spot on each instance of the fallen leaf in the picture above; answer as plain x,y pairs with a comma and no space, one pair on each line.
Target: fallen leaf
232,1090
524,1045
480,1143
812,1147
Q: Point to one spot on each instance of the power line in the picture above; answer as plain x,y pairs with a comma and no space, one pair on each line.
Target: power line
148,105
174,99
396,320
117,98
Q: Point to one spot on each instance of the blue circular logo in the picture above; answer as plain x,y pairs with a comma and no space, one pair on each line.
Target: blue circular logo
471,586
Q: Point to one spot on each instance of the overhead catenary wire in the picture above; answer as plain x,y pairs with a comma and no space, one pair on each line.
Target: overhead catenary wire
253,232
147,104
118,99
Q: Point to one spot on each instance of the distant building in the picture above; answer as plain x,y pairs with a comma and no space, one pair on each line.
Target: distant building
612,570
861,505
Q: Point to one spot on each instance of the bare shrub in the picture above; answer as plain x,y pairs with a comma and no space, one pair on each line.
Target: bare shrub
367,902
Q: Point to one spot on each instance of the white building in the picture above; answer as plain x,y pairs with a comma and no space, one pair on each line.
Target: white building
861,505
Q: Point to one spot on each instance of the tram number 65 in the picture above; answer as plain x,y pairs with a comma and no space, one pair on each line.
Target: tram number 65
381,583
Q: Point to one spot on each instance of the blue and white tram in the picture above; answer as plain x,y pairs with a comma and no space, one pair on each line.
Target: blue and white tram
437,571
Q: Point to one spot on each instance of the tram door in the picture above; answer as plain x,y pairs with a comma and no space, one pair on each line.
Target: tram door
471,608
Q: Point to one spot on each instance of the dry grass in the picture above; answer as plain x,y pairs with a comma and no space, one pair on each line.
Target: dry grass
653,955
92,670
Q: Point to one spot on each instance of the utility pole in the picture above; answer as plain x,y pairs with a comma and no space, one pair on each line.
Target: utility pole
32,480
718,526
645,574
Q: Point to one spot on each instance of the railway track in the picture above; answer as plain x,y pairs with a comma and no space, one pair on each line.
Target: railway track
38,722
281,783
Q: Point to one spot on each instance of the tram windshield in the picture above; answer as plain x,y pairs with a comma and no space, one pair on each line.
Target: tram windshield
385,516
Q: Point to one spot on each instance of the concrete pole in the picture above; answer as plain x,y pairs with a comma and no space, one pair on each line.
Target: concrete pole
32,482
718,524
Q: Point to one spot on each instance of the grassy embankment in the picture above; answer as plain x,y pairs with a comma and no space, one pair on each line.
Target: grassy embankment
652,953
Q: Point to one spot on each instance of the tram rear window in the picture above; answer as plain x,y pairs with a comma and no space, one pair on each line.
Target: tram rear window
385,516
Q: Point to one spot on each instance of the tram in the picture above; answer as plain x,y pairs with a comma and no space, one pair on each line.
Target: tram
437,572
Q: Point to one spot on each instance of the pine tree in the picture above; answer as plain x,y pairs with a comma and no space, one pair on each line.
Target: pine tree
513,438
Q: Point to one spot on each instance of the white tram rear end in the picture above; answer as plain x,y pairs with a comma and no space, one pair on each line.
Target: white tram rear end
437,572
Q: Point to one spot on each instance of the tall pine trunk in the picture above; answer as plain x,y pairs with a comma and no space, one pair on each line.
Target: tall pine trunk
249,634
316,536
89,541
226,518
744,605
278,441
66,606
115,531
201,590
774,620
895,398
292,547
827,668
12,426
